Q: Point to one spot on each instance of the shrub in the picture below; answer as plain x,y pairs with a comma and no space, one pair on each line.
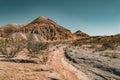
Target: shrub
110,54
93,46
76,43
9,48
34,48
108,45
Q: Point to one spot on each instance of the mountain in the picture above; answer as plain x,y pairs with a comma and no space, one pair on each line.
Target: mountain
41,29
81,34
115,39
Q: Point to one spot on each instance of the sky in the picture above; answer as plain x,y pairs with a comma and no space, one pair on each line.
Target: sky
94,17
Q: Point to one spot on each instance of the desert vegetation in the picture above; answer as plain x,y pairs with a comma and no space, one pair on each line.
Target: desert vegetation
76,43
106,46
10,48
35,48
110,54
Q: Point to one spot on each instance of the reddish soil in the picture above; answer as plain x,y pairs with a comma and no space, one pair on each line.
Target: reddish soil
57,64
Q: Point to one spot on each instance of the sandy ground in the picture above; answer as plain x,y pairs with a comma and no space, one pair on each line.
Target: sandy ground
55,69
59,64
56,64
18,71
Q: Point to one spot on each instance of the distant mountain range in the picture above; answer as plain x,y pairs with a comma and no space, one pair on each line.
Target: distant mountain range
40,29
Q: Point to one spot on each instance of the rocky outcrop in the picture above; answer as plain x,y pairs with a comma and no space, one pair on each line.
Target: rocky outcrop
81,34
94,65
41,29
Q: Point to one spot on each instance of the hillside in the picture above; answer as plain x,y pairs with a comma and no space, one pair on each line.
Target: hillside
115,39
9,29
41,29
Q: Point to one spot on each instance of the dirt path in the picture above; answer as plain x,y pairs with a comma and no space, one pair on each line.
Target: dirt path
58,63
57,68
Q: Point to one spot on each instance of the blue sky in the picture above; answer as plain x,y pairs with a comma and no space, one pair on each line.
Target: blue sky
95,17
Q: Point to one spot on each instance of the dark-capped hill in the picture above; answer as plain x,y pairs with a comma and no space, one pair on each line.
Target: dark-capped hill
81,34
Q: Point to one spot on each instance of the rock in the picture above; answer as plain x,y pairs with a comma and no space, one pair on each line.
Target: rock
41,29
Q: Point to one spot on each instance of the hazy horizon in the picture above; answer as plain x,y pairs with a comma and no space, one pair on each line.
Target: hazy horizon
94,17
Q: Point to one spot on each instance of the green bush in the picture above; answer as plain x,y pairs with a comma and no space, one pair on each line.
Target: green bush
34,48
